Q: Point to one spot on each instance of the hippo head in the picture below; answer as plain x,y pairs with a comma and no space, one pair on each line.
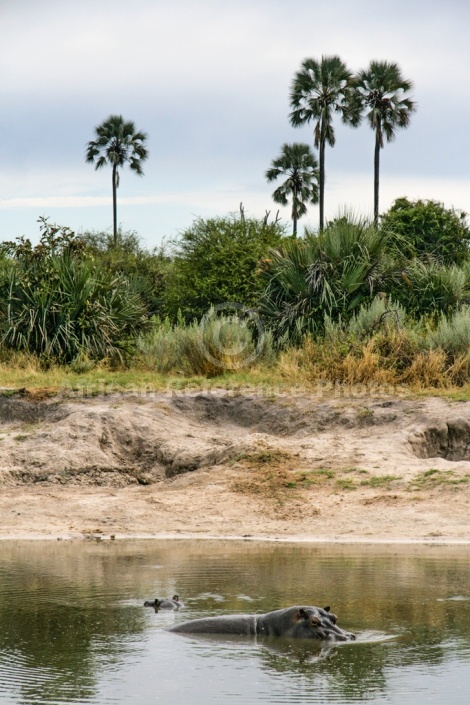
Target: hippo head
317,623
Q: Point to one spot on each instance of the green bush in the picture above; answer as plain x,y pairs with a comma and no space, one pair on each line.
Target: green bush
428,229
124,256
57,303
162,348
378,316
452,333
216,262
429,288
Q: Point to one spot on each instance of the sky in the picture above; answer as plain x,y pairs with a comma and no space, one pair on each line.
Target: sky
208,81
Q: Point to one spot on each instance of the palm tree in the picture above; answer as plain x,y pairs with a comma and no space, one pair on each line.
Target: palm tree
320,89
117,142
299,164
381,92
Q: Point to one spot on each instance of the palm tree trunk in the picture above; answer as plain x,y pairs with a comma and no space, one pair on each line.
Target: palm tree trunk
322,180
376,175
294,209
114,205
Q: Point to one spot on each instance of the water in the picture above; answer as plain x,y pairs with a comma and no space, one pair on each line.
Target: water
73,628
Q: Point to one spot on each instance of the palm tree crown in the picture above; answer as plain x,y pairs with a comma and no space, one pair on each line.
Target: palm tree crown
319,90
380,91
117,143
299,164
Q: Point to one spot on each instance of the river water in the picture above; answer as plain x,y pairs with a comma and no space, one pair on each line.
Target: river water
73,628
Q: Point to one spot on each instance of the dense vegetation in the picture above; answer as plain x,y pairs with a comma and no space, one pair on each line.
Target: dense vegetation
358,302
60,304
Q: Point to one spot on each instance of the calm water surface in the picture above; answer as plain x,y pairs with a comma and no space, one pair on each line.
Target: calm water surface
73,628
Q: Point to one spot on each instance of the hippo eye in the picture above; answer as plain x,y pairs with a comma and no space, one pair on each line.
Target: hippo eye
332,618
315,622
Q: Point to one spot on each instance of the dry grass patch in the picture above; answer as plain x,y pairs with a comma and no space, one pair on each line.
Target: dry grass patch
276,476
388,358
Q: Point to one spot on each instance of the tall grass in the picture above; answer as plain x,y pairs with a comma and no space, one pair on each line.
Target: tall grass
381,345
216,344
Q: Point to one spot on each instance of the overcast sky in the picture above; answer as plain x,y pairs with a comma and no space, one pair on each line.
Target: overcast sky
208,81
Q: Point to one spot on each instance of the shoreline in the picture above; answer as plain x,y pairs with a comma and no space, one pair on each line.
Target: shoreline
98,538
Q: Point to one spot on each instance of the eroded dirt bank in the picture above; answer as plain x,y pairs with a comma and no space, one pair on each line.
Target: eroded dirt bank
219,464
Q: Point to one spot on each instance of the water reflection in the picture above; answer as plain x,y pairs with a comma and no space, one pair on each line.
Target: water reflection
73,627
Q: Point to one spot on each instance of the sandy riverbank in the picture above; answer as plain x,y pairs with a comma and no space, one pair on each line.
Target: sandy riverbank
225,465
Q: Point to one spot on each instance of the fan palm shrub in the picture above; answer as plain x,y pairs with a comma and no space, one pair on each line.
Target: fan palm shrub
327,274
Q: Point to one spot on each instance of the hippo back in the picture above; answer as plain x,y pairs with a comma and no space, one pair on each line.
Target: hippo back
241,624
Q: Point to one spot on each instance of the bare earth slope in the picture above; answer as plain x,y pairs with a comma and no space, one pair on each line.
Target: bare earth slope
219,464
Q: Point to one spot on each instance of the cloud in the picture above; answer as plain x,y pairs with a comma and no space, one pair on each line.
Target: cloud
209,82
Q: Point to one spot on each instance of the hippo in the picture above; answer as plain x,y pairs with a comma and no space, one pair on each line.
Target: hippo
297,622
165,604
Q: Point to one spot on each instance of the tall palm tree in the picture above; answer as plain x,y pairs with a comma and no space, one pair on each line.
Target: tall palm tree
117,142
381,93
299,164
320,89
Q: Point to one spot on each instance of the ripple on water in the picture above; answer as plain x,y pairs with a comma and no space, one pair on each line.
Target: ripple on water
373,637
29,683
455,598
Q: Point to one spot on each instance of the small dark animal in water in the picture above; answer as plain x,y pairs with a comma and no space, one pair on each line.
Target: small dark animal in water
298,622
165,604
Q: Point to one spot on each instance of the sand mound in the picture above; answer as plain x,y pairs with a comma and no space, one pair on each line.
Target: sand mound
225,464
122,440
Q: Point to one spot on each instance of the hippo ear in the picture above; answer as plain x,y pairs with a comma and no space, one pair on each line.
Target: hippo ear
302,614
327,609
